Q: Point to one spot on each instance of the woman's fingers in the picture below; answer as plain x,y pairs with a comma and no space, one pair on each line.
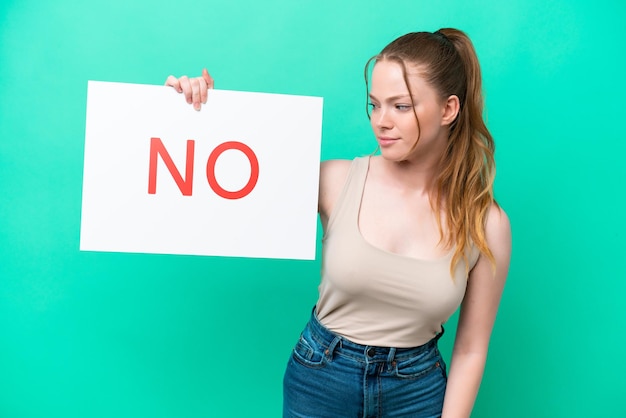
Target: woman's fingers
185,85
194,89
173,82
198,92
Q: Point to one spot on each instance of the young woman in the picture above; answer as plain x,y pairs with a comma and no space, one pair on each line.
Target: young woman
409,235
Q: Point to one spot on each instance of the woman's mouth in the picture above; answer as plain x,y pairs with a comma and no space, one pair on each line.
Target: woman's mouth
385,141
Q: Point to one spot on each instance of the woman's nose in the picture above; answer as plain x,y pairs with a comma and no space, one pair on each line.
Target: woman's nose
383,121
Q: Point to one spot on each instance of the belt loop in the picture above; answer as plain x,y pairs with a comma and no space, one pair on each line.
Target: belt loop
440,334
391,359
331,348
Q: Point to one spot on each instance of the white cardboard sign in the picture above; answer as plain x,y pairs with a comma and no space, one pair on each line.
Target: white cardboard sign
237,178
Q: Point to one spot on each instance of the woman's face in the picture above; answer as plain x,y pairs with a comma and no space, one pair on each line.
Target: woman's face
393,113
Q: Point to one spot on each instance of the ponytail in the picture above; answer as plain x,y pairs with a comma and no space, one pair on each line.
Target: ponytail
466,181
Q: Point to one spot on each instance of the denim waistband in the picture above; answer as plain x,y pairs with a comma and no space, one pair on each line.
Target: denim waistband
336,344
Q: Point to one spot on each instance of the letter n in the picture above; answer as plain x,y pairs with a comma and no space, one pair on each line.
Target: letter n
157,148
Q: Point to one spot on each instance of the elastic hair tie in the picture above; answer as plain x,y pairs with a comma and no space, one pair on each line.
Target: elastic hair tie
442,35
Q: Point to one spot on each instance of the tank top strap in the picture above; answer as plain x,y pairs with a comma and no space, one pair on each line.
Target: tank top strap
348,202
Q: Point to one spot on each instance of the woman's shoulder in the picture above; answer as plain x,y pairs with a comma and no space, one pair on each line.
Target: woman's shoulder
333,174
497,226
339,168
497,217
336,165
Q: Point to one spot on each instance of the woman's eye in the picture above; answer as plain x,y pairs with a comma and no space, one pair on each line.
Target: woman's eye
403,107
372,106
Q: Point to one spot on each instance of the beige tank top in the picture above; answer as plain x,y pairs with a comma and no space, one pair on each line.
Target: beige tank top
374,297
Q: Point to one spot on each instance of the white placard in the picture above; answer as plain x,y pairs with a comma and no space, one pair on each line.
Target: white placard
237,178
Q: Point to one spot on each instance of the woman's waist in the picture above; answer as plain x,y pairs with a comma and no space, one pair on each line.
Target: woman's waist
373,350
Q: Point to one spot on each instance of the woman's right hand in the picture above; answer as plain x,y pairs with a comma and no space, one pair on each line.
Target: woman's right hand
195,89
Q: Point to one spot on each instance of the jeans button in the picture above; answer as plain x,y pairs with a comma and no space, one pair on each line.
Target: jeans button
371,352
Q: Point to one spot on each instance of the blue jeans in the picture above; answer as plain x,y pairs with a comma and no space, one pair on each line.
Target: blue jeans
330,377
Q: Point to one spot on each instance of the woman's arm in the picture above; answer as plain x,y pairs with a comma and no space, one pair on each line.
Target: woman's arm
477,316
333,175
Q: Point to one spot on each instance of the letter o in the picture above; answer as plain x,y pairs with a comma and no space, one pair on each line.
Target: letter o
254,170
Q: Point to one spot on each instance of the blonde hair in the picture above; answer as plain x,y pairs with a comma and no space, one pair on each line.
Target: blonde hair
464,182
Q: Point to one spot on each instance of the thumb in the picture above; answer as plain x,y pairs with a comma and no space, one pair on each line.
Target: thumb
207,78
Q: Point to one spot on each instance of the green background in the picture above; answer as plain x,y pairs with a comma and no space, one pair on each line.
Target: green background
135,335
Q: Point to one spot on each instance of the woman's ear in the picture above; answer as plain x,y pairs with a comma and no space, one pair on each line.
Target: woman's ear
451,109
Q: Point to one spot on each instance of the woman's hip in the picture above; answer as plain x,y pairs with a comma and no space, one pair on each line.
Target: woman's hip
330,376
